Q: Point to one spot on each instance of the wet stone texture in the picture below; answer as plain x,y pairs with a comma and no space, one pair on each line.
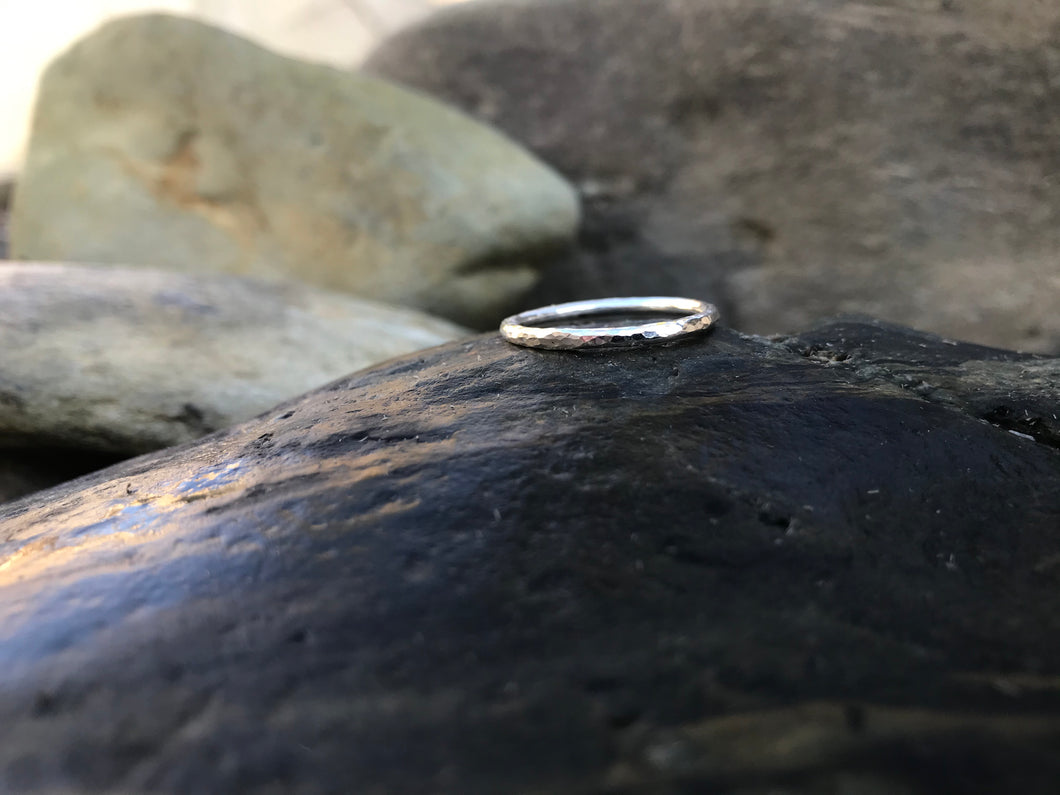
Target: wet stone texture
827,563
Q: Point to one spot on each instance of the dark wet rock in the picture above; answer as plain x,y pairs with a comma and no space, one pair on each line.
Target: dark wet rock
795,159
729,565
1010,390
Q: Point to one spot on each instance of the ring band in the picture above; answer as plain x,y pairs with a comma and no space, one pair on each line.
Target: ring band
525,329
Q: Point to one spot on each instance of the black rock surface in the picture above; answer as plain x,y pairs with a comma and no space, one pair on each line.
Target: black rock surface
818,564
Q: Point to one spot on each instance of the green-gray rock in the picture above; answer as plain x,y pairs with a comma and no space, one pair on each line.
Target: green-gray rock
126,360
163,141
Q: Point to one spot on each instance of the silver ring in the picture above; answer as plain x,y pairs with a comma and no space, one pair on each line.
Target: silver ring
525,328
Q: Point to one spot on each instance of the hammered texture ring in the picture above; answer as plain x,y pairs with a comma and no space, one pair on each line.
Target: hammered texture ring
530,329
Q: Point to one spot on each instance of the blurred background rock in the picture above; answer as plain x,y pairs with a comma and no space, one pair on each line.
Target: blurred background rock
161,140
5,199
793,161
339,32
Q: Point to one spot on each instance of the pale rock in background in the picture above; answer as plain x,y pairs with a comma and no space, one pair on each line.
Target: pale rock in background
335,31
163,141
125,360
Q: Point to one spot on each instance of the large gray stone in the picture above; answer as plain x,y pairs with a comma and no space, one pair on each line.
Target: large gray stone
825,564
162,141
125,360
789,160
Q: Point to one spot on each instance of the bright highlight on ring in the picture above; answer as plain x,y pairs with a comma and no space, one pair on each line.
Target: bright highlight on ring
527,328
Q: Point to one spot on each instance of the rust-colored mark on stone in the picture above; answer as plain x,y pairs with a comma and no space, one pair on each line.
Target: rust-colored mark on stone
177,180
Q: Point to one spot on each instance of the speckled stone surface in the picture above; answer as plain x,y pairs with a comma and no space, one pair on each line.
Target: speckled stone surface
821,564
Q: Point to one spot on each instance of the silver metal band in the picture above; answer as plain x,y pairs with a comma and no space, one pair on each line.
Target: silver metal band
526,329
